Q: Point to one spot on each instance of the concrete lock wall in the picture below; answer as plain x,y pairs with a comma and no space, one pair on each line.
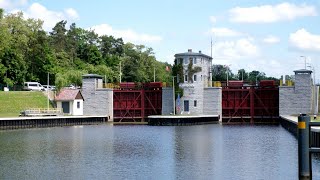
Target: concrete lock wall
97,101
212,101
167,101
192,93
297,99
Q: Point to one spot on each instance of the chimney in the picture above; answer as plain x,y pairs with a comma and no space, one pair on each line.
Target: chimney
199,52
189,50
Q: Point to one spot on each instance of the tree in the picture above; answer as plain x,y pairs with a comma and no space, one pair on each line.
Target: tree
58,36
1,13
242,75
219,72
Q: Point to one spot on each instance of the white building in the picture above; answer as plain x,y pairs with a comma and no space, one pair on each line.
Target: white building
71,101
199,97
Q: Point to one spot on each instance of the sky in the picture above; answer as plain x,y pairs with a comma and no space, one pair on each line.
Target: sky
271,36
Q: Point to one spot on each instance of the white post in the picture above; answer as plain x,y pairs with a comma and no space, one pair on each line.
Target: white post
227,77
305,62
174,101
211,47
120,72
242,75
154,74
316,100
48,90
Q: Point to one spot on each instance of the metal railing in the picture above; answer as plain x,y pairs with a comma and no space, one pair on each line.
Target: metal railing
42,112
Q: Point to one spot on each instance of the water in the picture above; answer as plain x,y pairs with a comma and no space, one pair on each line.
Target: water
150,152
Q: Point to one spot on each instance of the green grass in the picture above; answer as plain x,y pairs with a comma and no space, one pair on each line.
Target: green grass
12,102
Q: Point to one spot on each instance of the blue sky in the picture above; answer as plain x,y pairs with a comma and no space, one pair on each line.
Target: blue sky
269,36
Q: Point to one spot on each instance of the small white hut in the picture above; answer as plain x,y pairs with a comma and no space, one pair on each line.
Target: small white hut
71,101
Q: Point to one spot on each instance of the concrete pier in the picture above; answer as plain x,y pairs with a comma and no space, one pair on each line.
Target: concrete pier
182,120
56,121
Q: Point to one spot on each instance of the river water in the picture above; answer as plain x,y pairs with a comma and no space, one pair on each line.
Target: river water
150,152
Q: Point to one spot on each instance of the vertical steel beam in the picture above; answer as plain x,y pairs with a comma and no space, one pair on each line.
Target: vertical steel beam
251,104
303,146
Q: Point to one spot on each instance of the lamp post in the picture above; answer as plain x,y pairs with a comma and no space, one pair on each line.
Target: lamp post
48,89
305,61
257,78
227,66
120,73
154,74
315,104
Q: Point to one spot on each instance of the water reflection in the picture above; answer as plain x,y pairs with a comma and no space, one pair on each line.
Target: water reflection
143,152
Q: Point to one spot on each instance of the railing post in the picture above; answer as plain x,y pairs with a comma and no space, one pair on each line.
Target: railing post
303,146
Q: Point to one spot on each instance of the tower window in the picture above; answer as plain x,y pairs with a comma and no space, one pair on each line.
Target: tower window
194,77
185,77
185,61
195,103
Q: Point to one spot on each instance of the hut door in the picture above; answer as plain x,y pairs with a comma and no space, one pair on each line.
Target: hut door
66,107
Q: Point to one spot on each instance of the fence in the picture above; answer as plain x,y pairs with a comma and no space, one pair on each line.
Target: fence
42,112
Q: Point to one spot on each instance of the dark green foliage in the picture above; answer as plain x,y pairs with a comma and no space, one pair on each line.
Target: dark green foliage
177,70
28,53
219,73
192,71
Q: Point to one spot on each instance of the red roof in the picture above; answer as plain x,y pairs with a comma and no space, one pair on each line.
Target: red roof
69,95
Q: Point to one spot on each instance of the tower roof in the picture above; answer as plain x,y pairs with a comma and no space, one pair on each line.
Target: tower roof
190,53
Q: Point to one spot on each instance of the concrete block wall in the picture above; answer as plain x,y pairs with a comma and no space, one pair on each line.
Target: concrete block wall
212,101
97,101
167,101
192,93
297,99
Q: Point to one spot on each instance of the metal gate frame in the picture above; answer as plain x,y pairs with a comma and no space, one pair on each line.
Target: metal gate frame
134,102
250,104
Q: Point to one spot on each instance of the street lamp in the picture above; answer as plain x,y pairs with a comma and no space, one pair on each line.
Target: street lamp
305,62
227,66
315,105
314,73
257,78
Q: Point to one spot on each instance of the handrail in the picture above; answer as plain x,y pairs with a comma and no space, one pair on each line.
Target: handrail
41,111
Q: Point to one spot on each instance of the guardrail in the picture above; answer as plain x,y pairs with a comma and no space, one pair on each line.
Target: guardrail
42,112
304,148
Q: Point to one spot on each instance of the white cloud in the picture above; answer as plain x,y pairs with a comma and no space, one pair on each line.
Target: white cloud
128,35
12,4
268,13
50,18
231,50
224,32
304,40
271,39
213,19
72,13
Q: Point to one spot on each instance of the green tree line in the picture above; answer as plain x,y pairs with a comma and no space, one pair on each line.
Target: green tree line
29,53
219,73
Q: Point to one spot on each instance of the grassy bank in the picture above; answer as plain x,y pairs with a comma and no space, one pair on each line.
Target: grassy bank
12,102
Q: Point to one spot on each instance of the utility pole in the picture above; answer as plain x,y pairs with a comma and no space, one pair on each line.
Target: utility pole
305,62
211,47
48,90
120,72
154,74
242,75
